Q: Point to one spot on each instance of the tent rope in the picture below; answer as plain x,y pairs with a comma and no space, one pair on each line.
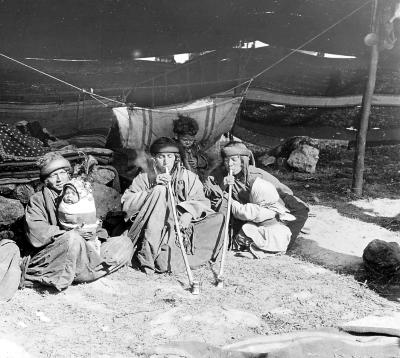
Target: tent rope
248,81
93,95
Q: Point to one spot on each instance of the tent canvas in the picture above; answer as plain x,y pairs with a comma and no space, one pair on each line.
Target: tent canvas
139,127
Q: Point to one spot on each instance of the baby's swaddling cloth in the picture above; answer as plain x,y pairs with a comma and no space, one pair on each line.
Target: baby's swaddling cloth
81,214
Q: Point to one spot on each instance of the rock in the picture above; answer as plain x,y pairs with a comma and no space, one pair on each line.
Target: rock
304,159
23,192
106,199
11,210
290,144
266,160
7,189
382,257
102,175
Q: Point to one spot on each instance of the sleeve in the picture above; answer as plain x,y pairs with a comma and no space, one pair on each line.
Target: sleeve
196,204
37,227
134,197
251,212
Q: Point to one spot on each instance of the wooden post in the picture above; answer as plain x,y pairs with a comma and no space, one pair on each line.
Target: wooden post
359,155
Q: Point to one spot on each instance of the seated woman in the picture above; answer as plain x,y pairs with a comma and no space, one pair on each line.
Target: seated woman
236,159
147,205
59,257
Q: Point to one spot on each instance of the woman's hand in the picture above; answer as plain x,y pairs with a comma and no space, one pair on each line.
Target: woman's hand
229,180
163,179
185,220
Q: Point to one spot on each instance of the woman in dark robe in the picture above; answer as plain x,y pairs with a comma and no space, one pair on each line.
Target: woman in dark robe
58,257
148,205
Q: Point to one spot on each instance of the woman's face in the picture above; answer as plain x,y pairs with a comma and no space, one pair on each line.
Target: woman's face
57,180
165,160
234,164
186,140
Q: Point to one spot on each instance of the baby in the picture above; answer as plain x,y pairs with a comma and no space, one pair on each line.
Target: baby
77,210
264,230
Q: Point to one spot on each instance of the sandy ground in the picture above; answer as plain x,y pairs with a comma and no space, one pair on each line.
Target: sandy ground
337,242
128,314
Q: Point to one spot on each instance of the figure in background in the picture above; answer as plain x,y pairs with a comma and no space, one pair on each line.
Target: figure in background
265,216
193,158
59,257
236,158
77,210
147,205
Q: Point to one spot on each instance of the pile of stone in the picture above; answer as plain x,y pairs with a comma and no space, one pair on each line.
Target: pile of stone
299,153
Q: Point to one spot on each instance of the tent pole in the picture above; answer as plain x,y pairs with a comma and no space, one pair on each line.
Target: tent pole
359,155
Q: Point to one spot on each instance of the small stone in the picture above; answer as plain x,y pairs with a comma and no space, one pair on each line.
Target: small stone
382,257
11,210
22,324
304,159
42,317
102,175
266,160
23,192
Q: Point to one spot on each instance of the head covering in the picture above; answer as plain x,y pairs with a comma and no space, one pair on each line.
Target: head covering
51,162
185,125
164,145
235,148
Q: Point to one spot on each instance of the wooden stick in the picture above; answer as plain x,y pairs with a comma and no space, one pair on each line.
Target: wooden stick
220,278
194,286
359,153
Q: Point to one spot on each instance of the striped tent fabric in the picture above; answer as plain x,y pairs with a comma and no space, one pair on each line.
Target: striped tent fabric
139,127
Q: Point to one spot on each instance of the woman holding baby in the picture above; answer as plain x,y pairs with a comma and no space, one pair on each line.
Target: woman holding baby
61,249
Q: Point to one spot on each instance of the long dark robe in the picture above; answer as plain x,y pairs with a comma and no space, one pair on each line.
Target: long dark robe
58,257
153,229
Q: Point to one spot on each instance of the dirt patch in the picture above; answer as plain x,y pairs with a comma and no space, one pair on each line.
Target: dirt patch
128,313
336,241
